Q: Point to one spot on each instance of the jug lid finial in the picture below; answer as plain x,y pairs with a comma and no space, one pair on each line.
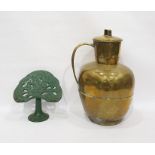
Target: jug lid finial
107,37
107,32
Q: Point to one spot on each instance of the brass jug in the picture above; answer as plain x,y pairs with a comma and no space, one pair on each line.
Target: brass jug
105,86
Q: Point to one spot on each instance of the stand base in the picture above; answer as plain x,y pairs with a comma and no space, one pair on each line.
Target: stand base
104,122
38,117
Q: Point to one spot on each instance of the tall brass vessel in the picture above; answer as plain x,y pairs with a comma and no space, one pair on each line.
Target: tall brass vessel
105,86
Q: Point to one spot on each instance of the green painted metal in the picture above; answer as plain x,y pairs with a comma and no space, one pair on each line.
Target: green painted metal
38,85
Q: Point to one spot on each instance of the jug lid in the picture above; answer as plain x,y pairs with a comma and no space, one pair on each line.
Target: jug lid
107,37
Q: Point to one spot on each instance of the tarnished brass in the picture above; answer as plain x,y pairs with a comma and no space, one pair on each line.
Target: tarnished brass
105,86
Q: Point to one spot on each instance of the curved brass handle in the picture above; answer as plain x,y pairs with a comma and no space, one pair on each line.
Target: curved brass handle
73,56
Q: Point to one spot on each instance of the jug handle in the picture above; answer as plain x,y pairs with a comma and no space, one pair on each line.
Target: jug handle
73,57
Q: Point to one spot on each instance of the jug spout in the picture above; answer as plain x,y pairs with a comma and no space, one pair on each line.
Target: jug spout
107,48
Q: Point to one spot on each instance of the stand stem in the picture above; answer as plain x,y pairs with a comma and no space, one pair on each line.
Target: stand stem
38,109
38,115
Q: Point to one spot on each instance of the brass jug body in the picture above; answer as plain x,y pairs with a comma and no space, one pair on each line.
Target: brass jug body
105,86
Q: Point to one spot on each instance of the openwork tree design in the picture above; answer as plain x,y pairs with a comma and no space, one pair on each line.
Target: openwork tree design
38,85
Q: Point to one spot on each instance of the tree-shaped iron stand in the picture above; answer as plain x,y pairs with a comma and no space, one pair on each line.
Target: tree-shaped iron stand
38,85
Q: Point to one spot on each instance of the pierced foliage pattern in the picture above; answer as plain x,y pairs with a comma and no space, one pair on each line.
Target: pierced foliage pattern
38,84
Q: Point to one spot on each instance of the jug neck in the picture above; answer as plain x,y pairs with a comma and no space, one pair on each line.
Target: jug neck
107,48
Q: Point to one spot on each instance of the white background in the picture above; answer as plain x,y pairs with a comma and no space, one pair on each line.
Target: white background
45,40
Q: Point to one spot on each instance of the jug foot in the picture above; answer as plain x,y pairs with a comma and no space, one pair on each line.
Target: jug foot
104,122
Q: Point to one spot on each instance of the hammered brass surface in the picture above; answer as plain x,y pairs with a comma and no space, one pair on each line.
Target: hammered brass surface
107,52
106,90
114,81
105,86
105,109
